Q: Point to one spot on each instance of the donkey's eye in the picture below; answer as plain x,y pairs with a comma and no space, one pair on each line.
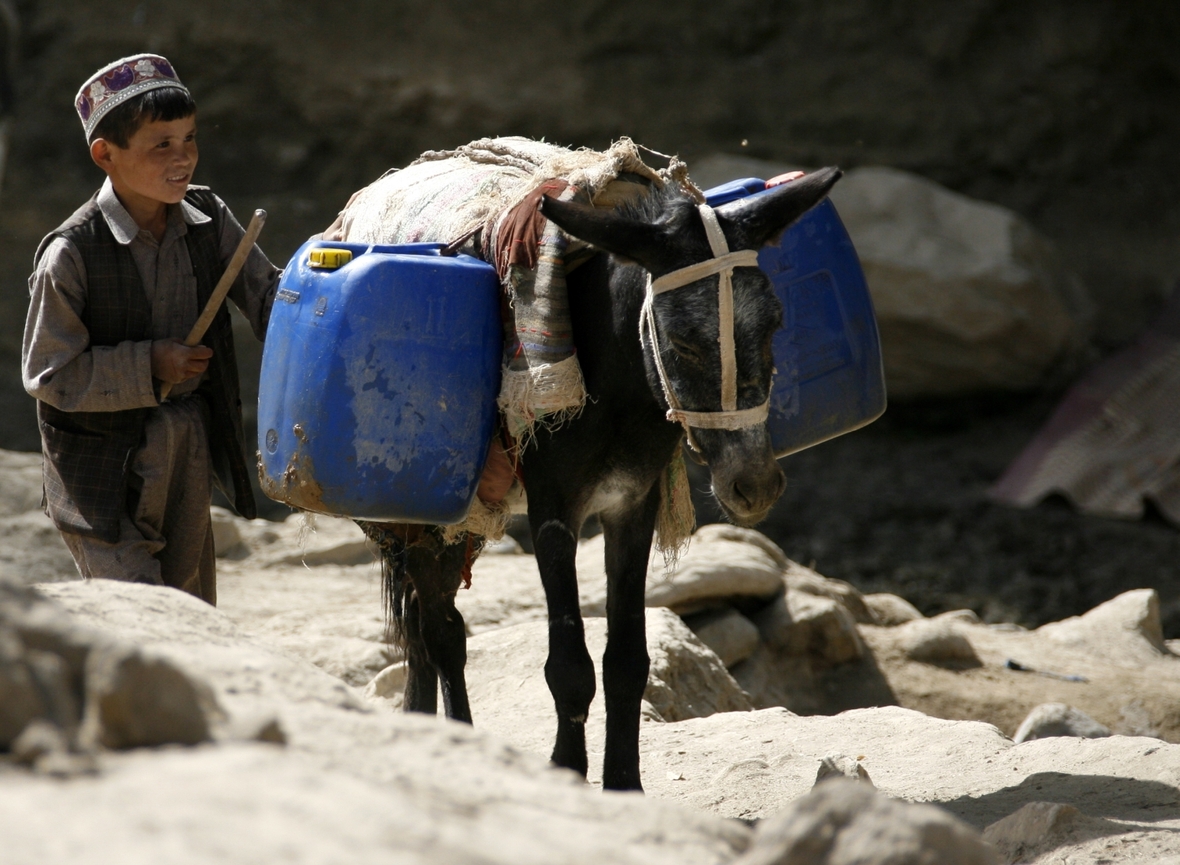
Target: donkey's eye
688,353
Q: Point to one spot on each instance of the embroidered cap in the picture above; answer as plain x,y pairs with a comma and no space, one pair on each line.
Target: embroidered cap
115,84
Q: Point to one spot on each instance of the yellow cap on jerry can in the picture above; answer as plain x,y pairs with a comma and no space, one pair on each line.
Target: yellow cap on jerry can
328,259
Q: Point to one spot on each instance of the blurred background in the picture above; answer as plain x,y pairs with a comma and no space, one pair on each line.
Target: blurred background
1022,245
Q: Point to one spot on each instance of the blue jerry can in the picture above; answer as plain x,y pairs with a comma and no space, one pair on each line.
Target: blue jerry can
829,379
380,372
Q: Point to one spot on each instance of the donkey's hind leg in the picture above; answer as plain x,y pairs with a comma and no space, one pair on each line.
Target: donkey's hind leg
421,694
419,580
436,570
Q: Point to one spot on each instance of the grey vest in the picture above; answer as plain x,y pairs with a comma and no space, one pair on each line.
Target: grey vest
88,454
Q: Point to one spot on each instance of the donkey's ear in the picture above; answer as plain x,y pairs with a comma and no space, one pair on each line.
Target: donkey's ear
628,238
752,222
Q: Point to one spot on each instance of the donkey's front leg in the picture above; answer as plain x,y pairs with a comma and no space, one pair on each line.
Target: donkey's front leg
569,670
625,663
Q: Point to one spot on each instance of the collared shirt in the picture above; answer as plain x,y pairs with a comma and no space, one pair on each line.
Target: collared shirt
60,366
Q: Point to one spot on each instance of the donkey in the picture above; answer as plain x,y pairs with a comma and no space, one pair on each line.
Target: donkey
609,460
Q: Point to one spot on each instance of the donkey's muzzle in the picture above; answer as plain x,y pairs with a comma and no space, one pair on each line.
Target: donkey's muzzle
747,481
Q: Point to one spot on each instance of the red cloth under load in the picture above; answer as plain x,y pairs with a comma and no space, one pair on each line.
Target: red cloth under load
519,232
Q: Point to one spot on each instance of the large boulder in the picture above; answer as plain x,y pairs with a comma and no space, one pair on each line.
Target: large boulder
968,295
723,562
509,696
728,633
43,656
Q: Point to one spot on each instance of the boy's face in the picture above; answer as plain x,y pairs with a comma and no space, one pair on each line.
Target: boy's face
158,162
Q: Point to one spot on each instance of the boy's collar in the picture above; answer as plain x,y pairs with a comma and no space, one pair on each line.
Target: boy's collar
124,227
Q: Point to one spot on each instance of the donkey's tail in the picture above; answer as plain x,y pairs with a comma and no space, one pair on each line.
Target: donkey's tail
392,541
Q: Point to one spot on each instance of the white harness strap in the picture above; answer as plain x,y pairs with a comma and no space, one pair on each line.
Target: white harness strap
722,264
720,249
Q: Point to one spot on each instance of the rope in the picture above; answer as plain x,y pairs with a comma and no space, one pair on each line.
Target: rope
720,249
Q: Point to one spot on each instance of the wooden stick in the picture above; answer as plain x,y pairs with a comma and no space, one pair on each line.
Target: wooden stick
223,286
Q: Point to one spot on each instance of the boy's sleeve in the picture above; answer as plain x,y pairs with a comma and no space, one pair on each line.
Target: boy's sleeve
253,291
58,364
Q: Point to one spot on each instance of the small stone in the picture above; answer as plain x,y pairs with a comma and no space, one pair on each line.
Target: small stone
801,579
39,738
1135,720
938,642
506,546
388,683
65,764
1127,628
227,537
890,610
52,677
271,731
258,727
841,766
1058,719
1034,825
722,562
841,822
804,625
134,700
728,633
20,701
967,617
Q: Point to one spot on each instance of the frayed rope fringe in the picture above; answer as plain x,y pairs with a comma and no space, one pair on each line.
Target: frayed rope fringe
547,395
487,521
677,518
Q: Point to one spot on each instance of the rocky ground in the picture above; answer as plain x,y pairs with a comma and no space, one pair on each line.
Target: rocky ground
902,506
765,675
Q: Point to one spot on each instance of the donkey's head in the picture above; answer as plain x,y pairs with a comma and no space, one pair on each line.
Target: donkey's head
718,392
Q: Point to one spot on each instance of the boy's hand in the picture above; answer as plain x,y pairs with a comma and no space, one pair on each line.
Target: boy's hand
174,362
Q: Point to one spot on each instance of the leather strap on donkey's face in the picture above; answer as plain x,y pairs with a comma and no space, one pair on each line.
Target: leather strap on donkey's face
721,265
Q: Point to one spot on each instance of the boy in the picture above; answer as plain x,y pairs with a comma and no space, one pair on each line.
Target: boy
114,291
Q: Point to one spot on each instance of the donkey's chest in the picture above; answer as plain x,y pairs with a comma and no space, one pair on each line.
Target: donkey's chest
616,492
